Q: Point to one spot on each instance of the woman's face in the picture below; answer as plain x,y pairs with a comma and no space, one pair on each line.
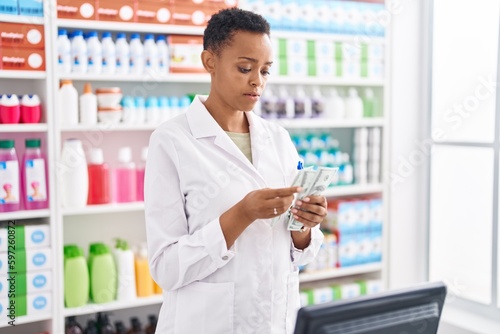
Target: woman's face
242,69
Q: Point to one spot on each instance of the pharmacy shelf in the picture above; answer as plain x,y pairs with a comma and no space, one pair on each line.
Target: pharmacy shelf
105,208
105,127
355,189
325,81
327,36
26,214
115,305
8,74
21,19
149,78
39,127
322,123
339,272
130,27
25,319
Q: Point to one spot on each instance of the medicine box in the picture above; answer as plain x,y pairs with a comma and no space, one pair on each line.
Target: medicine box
25,260
185,54
28,236
22,59
18,35
159,12
26,283
77,9
31,7
116,11
32,304
9,7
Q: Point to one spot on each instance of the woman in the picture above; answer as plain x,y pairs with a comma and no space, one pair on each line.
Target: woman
217,178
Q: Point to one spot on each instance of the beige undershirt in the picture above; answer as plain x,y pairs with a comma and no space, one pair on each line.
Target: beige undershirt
242,140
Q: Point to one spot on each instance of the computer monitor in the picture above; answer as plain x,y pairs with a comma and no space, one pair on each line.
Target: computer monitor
411,310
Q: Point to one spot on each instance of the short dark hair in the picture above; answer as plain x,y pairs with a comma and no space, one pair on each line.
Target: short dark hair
223,25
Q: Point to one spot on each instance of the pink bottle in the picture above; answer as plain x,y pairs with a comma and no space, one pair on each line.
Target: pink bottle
10,193
10,110
34,173
140,175
30,109
125,177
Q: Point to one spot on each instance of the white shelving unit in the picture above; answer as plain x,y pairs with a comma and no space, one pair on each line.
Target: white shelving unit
84,225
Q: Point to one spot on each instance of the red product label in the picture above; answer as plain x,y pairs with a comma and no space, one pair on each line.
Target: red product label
76,9
23,59
20,35
118,11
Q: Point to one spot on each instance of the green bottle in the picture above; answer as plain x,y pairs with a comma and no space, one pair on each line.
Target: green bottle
102,271
76,277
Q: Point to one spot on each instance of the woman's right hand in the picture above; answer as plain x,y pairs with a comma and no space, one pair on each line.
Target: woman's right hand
267,203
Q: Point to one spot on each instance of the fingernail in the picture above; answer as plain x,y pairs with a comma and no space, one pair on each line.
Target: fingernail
296,217
295,210
298,203
299,189
306,199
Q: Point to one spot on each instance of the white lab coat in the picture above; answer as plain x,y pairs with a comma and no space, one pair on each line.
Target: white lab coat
194,173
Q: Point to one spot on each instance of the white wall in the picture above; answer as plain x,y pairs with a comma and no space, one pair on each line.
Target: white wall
408,232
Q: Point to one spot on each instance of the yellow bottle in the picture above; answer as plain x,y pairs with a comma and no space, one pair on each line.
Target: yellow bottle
156,288
144,282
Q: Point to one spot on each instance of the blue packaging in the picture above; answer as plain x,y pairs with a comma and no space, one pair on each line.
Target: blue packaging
9,7
31,7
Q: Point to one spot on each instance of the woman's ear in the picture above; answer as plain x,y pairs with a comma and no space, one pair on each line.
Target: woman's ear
208,60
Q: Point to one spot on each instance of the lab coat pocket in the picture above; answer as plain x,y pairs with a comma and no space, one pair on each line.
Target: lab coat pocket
205,308
293,300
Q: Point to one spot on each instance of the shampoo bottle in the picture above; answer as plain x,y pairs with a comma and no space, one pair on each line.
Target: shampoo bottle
145,286
125,177
68,103
108,54
124,258
88,106
102,271
354,105
34,177
302,104
334,106
74,173
99,185
76,277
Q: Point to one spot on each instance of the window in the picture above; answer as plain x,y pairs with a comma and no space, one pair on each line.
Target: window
465,159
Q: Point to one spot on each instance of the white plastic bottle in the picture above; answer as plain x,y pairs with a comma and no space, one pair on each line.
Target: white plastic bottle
151,54
63,52
354,105
68,103
74,173
88,106
136,55
163,55
346,172
140,109
334,105
303,104
285,104
125,269
108,54
94,53
317,102
78,53
122,54
152,110
164,107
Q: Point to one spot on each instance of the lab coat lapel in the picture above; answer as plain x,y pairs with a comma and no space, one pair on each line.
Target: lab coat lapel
203,125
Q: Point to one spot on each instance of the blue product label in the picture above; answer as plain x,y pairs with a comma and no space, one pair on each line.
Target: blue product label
38,237
39,259
40,302
39,281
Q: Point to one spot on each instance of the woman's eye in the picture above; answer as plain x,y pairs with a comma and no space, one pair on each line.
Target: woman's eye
244,70
266,73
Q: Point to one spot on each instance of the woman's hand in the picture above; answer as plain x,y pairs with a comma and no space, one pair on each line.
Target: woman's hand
267,203
310,211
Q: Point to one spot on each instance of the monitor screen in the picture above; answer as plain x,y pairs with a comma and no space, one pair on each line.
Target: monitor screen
411,310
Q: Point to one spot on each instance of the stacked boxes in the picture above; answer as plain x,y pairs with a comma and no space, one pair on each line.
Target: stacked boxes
321,295
185,53
25,271
177,12
367,155
22,47
325,58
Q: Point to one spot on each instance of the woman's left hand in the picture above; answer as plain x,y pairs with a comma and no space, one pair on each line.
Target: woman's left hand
310,211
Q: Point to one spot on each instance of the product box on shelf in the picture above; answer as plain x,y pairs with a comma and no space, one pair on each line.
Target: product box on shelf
22,59
154,12
26,283
191,15
25,260
76,9
28,236
32,304
185,54
19,35
9,7
117,11
31,7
